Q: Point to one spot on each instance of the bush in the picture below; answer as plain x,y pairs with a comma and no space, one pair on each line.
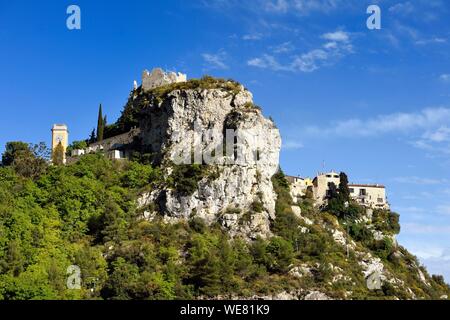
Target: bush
279,255
257,206
197,224
185,178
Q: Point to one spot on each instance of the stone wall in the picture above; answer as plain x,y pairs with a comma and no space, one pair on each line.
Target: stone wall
116,142
158,77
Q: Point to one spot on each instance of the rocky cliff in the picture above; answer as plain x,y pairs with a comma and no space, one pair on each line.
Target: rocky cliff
187,126
219,157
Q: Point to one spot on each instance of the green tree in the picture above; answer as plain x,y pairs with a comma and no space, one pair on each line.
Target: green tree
279,254
13,149
100,124
58,155
344,190
76,145
92,136
28,160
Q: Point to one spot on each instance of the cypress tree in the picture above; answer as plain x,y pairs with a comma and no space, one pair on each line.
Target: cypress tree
344,191
100,124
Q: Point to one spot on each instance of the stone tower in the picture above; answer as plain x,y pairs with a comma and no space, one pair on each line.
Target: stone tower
60,134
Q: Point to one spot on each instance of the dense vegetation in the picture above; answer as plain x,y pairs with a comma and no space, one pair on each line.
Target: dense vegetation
85,214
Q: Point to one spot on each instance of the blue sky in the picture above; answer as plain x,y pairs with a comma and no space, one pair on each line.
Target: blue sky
373,103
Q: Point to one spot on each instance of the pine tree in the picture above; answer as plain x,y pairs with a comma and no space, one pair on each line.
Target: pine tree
100,124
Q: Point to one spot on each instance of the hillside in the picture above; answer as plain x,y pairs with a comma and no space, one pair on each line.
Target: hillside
147,228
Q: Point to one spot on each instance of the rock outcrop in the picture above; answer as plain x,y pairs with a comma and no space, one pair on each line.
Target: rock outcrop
221,129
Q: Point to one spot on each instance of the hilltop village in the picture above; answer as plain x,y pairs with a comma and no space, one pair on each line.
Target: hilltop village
121,146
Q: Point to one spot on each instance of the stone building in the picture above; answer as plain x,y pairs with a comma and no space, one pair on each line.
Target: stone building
321,185
368,195
159,77
299,187
117,147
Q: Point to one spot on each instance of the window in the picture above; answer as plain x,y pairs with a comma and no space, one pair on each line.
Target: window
336,176
362,192
352,190
380,200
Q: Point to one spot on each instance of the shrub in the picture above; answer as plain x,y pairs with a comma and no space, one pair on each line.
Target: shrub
257,206
185,178
279,255
197,224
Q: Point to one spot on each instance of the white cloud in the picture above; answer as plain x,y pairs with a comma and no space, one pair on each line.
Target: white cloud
444,209
397,122
338,46
336,36
252,36
279,6
420,228
283,48
402,8
215,61
433,40
323,6
419,180
267,61
445,77
292,145
441,134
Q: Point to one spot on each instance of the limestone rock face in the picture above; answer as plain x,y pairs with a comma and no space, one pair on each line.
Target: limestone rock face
191,125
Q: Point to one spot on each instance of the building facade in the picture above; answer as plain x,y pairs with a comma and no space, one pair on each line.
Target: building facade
299,187
321,186
60,135
368,195
373,196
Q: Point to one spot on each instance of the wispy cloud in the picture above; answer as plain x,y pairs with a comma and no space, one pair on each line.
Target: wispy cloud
215,61
279,6
337,45
337,36
397,122
252,36
445,77
292,145
403,8
419,180
441,134
444,209
297,7
419,228
322,6
432,40
285,47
